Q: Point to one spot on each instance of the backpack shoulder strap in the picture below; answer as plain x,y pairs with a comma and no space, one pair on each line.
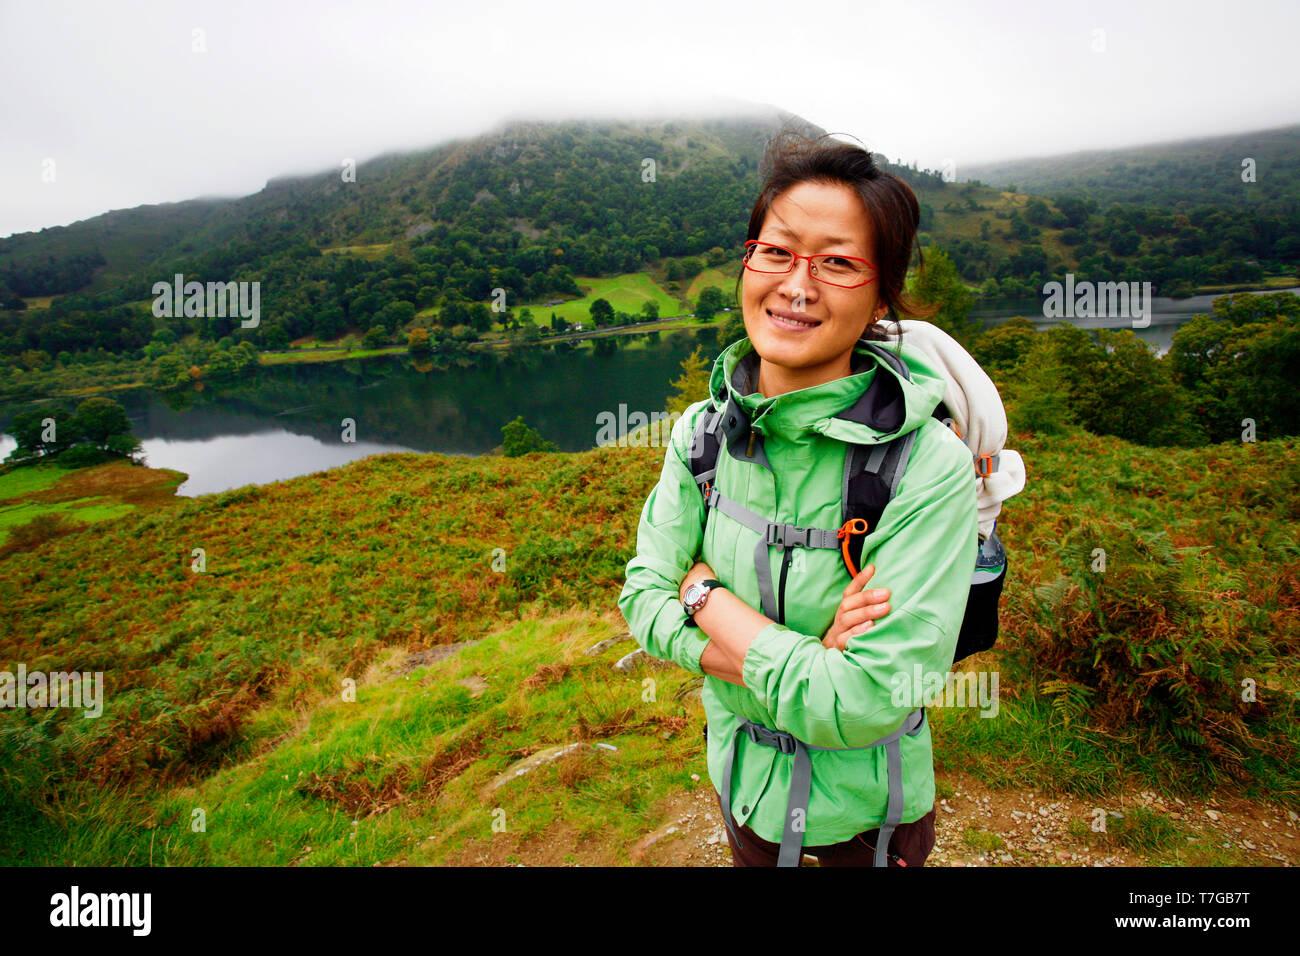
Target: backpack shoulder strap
705,449
872,472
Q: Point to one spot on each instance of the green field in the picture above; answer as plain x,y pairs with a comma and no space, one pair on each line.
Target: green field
19,482
372,251
81,496
724,279
626,293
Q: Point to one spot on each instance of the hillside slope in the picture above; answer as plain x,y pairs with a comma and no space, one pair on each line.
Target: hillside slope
227,688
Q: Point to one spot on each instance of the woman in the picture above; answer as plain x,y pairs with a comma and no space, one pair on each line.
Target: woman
809,747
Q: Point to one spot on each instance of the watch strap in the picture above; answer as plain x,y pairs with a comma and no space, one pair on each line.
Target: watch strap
708,584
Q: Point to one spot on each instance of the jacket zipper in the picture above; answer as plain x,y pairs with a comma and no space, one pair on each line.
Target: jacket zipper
780,606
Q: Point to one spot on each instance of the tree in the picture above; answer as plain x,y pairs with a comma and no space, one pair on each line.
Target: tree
731,329
1074,209
98,419
417,343
169,371
1003,346
1242,362
692,385
220,366
1040,404
521,439
602,313
1113,386
527,330
126,445
36,437
1036,211
396,314
376,337
650,310
480,316
710,303
244,356
939,284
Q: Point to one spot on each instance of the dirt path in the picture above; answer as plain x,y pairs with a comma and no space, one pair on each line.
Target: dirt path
981,826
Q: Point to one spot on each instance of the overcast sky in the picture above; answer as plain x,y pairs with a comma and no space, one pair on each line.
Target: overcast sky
128,109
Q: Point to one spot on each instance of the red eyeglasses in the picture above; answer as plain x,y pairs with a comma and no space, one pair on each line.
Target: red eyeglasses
846,272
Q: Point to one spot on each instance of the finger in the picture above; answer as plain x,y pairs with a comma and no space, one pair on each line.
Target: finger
853,619
860,581
858,631
863,599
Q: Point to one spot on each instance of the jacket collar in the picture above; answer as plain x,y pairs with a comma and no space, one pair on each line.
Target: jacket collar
848,409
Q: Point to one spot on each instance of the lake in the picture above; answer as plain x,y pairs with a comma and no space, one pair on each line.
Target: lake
288,420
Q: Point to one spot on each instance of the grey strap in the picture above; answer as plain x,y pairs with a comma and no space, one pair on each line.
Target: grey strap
796,808
894,764
770,533
900,462
726,785
876,458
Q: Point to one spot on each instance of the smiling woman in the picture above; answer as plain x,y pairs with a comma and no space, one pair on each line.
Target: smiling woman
824,197
795,692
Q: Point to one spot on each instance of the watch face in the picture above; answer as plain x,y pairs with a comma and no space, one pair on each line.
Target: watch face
692,593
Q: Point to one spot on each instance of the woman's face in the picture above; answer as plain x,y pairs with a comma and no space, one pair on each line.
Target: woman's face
808,219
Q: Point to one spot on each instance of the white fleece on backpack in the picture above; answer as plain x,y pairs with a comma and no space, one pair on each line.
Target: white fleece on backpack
976,407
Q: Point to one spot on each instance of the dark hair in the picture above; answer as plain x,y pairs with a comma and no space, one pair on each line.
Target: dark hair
792,158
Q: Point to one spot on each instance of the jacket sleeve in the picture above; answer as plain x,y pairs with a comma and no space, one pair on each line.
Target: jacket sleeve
924,552
668,543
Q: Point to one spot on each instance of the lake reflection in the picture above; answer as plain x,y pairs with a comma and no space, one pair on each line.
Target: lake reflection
218,464
290,420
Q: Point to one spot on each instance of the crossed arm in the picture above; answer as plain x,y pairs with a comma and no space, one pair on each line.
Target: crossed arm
731,625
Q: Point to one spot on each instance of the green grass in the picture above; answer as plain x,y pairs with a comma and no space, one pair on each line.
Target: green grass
374,250
981,840
626,293
335,781
326,355
23,481
724,279
84,510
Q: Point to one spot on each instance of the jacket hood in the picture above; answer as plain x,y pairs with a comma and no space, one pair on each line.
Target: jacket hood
846,409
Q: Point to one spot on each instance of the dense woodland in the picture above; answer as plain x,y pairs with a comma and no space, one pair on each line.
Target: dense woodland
423,239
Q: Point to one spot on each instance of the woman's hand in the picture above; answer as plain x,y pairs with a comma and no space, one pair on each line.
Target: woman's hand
858,609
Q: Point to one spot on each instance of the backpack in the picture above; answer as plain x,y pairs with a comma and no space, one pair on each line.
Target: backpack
871,477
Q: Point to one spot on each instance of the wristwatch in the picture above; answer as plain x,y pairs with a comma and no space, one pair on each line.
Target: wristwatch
696,595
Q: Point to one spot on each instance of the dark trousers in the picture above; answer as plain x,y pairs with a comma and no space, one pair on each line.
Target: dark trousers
911,841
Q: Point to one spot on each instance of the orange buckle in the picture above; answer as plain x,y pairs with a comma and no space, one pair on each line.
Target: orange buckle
851,527
986,458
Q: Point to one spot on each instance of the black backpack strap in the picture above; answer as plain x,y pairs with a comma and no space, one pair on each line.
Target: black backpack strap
706,443
872,472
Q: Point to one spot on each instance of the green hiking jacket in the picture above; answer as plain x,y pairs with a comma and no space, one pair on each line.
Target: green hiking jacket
924,550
